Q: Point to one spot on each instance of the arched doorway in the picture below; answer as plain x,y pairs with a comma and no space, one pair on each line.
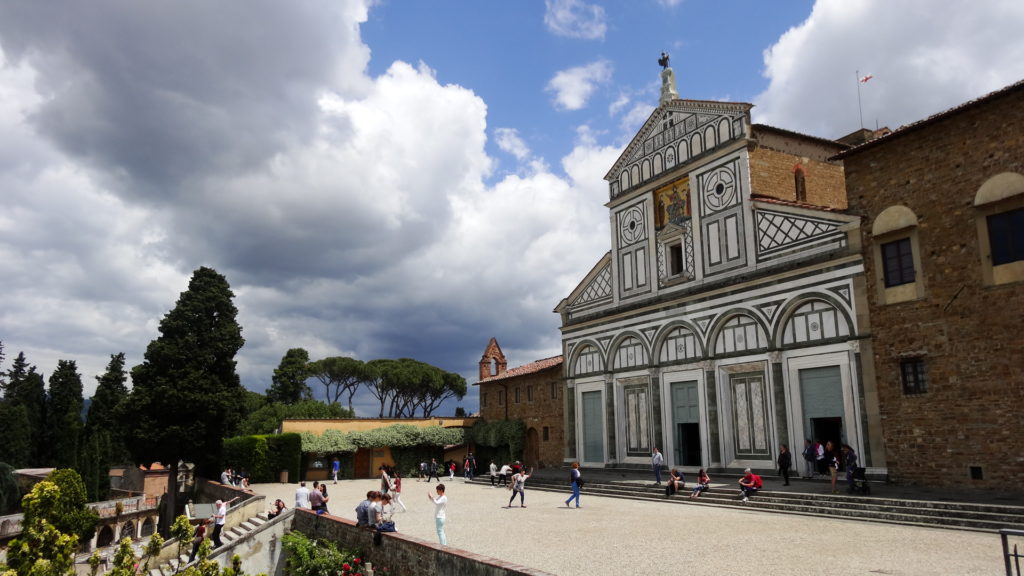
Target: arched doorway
531,452
105,537
127,531
148,527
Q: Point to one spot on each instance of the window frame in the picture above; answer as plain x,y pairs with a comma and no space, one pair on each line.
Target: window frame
903,257
1000,194
913,376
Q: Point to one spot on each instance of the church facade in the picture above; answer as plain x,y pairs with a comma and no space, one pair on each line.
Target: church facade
728,316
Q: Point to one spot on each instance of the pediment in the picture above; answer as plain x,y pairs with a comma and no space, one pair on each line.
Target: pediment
596,285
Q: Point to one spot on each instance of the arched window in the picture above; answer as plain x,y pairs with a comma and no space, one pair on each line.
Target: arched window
588,361
629,354
897,256
813,321
1000,220
679,345
740,333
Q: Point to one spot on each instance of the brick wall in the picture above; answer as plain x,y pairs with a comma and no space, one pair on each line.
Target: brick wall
401,554
970,335
772,174
543,411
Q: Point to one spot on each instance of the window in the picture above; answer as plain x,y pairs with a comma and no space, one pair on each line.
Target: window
517,394
546,434
529,393
912,376
1006,236
800,183
898,262
501,397
675,259
554,390
483,400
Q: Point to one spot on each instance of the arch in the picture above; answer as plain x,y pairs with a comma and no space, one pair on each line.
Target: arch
586,359
645,170
531,449
624,180
684,151
710,137
105,536
634,174
812,318
668,340
724,130
1000,187
892,219
738,331
148,527
659,164
800,182
696,145
127,531
628,351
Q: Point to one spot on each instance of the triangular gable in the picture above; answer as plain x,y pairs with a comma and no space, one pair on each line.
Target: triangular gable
686,117
595,287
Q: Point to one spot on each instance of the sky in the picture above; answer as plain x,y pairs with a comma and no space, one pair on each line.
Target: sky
386,179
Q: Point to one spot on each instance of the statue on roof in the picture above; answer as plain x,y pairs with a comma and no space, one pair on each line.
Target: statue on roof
663,61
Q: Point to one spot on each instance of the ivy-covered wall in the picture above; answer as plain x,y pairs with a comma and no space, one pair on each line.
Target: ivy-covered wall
263,457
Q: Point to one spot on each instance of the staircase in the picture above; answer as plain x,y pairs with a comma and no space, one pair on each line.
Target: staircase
935,514
228,537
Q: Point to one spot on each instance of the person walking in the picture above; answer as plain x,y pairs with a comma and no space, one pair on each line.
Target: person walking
335,469
850,461
197,541
504,474
396,489
574,481
440,512
219,517
832,462
809,457
494,474
385,480
785,461
432,470
657,461
451,470
519,487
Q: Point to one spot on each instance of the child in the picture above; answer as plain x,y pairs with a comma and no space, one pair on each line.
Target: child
440,506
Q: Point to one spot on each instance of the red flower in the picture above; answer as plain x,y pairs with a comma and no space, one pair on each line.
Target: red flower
346,567
355,560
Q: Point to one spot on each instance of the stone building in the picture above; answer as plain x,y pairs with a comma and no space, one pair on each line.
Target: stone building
531,393
943,208
728,317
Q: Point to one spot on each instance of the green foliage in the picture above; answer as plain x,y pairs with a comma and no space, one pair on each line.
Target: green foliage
103,443
25,387
267,420
70,514
16,431
187,395
289,381
341,375
263,457
406,386
183,531
124,559
502,434
308,557
41,549
394,436
152,550
64,414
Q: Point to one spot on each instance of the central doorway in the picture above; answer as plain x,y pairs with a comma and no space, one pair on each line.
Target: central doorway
686,423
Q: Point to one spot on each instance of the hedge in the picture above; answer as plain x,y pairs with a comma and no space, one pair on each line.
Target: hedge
264,456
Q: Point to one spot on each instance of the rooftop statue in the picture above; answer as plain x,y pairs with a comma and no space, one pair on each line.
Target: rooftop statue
663,61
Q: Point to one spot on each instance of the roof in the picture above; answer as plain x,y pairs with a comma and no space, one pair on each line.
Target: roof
531,368
773,200
791,133
932,119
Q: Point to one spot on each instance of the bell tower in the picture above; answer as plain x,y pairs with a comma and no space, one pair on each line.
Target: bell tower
492,363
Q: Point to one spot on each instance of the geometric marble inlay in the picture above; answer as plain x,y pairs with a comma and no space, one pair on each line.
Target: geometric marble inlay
775,230
600,287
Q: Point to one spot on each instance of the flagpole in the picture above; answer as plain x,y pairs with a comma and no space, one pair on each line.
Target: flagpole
860,110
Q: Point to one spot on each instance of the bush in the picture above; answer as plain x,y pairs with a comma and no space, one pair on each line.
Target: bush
263,457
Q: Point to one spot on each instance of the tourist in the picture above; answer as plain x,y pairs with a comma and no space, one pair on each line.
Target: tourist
385,480
519,487
197,541
832,462
277,509
703,484
809,457
335,469
676,482
657,461
423,471
440,507
316,499
387,509
323,492
574,481
785,461
472,466
302,496
219,518
819,458
451,470
493,470
432,470
850,461
363,509
504,474
396,489
466,468
225,477
750,483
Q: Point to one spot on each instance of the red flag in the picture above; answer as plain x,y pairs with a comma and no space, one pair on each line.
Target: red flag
866,78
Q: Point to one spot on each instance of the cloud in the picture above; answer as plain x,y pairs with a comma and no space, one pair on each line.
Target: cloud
508,140
574,86
923,60
575,19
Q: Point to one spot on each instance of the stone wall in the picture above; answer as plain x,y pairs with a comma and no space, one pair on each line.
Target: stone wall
402,554
772,173
968,333
540,413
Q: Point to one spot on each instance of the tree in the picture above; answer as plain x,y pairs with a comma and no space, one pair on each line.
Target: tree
289,380
267,419
10,494
187,396
69,513
64,414
25,387
16,432
341,375
103,443
41,549
405,386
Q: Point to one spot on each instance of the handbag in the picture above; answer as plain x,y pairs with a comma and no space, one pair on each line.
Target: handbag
386,526
579,482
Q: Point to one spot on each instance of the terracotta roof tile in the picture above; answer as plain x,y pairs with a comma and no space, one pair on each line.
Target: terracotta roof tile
531,368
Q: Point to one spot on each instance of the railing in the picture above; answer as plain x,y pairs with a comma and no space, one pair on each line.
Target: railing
1011,559
109,508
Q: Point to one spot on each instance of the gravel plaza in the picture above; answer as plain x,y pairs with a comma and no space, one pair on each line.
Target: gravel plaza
621,536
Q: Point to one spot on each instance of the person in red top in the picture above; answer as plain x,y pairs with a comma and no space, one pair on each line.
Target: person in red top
749,484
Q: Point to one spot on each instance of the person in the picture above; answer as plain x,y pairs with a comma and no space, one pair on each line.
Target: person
504,474
676,482
832,461
819,457
451,470
657,461
316,499
850,461
197,541
302,496
423,471
387,509
219,518
363,509
396,489
432,471
519,487
493,470
277,509
750,483
323,492
225,477
335,469
440,512
385,480
703,483
574,481
785,461
809,458
472,466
